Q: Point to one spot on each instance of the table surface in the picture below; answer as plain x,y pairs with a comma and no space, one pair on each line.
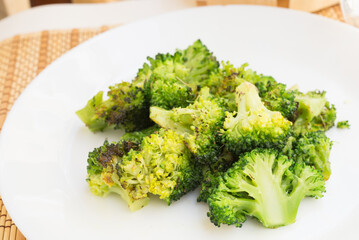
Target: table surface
24,56
68,16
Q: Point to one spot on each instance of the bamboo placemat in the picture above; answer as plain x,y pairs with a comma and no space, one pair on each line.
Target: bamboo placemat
23,57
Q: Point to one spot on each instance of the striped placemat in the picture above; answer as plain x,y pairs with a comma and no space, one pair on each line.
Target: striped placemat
23,57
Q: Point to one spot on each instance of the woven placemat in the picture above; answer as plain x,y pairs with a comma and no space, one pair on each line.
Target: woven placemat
23,57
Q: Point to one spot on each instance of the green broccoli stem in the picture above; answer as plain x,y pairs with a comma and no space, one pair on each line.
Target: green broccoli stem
251,101
133,205
88,114
275,208
164,119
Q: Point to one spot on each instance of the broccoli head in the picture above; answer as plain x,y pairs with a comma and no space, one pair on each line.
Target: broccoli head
138,136
172,172
313,149
173,80
275,96
223,83
164,65
166,81
213,172
103,174
314,112
265,185
253,126
201,63
198,123
168,92
126,108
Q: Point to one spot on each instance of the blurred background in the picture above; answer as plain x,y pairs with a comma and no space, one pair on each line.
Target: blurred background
9,7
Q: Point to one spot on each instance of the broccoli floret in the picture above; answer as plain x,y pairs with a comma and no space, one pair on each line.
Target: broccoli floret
134,175
166,81
343,125
209,183
172,171
201,63
103,174
138,136
198,123
265,185
168,93
314,112
126,108
164,65
223,83
253,126
213,172
173,80
313,149
274,95
141,163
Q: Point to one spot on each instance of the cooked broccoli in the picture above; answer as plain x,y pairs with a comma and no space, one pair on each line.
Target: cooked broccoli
253,126
223,83
162,81
173,80
164,65
201,63
265,185
168,92
126,108
198,123
213,171
313,149
108,170
103,174
274,95
167,81
253,146
138,136
172,171
209,183
314,112
343,124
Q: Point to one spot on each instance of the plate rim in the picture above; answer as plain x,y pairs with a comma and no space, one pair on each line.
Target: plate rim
104,35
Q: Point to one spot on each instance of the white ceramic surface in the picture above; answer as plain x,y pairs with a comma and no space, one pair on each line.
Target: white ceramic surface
350,9
44,146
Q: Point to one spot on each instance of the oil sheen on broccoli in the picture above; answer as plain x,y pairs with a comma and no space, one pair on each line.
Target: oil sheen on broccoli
265,185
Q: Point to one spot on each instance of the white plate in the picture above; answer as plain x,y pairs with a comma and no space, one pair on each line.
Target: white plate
44,146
